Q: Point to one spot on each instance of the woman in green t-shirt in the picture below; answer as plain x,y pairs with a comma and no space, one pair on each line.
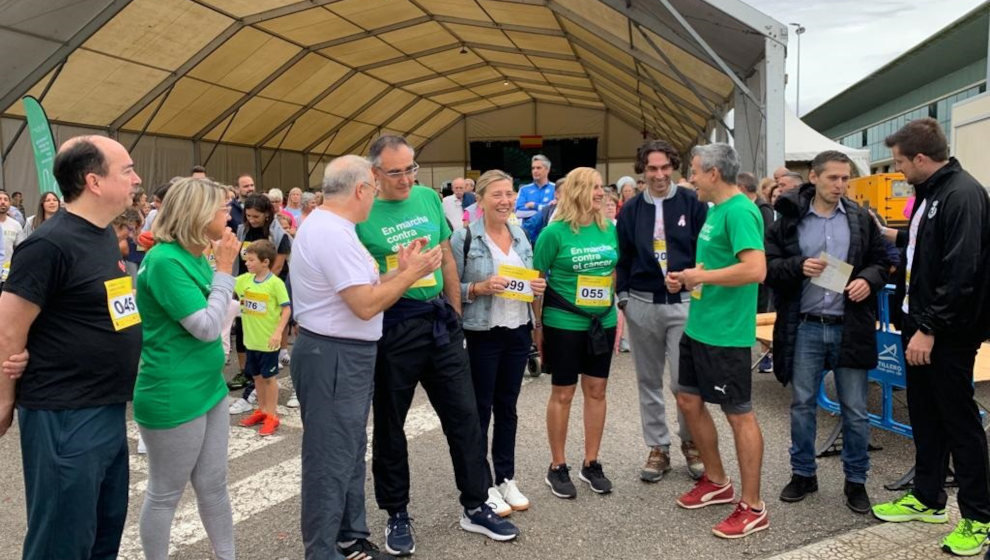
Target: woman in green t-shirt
180,395
577,252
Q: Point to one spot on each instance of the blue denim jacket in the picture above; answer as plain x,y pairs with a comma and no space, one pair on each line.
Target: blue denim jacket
477,313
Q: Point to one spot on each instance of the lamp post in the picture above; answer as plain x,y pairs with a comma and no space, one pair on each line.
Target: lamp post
799,30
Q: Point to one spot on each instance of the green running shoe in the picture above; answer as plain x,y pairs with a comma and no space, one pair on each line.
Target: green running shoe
967,539
908,508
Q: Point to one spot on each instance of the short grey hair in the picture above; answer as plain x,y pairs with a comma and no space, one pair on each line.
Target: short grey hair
746,181
718,156
308,197
343,174
388,141
275,195
544,160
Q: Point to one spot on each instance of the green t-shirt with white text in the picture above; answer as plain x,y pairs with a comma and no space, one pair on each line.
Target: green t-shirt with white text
579,267
398,222
180,377
261,308
726,315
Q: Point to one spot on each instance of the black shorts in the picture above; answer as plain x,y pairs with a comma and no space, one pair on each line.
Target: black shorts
720,374
566,354
260,363
238,332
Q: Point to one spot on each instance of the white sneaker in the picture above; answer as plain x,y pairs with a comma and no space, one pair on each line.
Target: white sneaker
240,406
512,496
142,448
253,398
293,401
283,358
497,504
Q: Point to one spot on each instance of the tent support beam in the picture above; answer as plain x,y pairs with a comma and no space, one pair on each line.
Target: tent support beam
62,53
711,53
292,118
151,118
20,129
220,139
342,123
687,81
277,148
391,117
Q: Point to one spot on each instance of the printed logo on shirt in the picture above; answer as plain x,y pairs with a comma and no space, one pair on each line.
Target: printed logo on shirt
682,222
934,210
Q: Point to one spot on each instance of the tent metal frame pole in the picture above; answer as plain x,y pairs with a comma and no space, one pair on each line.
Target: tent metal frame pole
220,139
344,122
151,118
312,103
41,97
63,52
711,53
323,155
277,148
687,81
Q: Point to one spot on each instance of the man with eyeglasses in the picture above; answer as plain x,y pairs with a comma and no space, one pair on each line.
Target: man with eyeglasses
421,342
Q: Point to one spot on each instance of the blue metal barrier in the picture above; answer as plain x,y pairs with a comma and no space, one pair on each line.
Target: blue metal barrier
890,373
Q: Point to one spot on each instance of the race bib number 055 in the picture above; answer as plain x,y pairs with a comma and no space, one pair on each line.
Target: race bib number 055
121,303
519,278
594,291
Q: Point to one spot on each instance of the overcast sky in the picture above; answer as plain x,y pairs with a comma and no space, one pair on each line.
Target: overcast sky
846,40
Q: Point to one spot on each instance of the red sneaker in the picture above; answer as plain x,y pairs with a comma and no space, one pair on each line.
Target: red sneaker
706,493
269,426
257,417
742,522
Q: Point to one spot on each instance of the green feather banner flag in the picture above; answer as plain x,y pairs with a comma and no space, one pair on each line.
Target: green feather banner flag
43,145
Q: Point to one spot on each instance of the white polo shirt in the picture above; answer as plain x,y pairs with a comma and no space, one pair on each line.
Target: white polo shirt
327,258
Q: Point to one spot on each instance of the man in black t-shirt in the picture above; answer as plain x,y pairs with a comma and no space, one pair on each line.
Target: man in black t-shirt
70,303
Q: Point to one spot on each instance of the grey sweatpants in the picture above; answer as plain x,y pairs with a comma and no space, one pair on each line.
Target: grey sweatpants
196,452
655,334
334,380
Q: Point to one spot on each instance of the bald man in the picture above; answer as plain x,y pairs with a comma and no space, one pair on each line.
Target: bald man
70,303
453,205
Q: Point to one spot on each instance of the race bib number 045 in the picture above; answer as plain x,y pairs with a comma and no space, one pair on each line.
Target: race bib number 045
519,278
594,291
121,303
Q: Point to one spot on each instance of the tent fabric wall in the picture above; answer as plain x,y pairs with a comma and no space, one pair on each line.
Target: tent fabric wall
285,171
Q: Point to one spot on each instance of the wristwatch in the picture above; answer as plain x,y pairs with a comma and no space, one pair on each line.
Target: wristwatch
926,329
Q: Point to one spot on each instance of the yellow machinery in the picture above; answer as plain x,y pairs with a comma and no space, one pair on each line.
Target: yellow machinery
885,193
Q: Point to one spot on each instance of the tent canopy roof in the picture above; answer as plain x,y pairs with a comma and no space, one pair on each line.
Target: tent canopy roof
326,76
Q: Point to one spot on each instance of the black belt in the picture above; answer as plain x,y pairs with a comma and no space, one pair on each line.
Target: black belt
821,319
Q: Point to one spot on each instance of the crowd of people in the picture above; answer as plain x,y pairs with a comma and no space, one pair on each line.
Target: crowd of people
454,294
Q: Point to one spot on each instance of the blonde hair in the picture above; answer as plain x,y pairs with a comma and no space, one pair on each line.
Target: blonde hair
190,205
575,204
489,177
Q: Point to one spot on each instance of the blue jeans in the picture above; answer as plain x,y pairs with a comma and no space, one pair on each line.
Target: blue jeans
816,351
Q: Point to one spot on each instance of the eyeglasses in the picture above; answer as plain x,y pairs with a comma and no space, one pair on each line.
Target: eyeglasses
372,185
400,173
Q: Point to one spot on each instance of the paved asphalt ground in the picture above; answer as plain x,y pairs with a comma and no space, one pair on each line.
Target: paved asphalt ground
637,520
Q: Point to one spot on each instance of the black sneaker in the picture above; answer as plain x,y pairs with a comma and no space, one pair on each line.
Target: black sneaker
363,549
484,521
798,488
559,481
593,475
856,497
399,540
239,381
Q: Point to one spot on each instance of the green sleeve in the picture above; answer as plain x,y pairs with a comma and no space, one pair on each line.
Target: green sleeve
745,230
281,293
175,290
547,245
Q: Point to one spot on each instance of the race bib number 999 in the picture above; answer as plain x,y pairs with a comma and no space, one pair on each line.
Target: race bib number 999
121,303
519,278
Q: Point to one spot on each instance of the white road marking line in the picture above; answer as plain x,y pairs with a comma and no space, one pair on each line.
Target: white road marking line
264,489
242,442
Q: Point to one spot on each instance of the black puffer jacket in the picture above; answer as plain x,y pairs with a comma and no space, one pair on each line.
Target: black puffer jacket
950,275
784,276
